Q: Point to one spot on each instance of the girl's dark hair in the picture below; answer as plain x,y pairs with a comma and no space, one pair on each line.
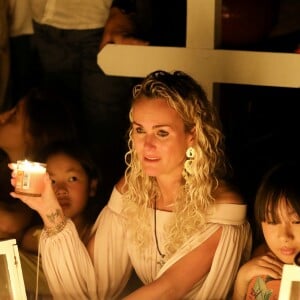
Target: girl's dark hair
81,154
50,118
282,182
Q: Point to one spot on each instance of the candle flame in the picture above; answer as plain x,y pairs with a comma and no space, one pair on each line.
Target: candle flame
30,166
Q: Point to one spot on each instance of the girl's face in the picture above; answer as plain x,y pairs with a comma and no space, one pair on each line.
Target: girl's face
283,238
70,184
159,137
13,129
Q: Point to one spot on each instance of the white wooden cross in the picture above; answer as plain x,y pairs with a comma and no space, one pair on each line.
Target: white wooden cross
201,60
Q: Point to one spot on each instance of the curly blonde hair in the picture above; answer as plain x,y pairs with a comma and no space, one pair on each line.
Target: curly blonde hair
195,197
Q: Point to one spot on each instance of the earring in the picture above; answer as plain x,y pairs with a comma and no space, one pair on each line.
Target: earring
190,153
188,164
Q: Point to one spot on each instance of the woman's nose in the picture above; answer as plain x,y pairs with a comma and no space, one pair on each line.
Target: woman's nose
149,141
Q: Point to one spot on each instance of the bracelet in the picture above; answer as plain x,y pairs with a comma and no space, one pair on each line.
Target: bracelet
50,231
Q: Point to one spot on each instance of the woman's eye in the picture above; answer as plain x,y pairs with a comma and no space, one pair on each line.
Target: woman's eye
52,181
72,179
139,130
162,133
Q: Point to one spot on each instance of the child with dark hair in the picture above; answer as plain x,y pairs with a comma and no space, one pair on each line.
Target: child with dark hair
277,212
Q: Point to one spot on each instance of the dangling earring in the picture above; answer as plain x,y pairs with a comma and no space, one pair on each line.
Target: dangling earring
190,154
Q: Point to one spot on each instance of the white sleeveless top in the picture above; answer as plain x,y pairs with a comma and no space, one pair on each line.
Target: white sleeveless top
71,14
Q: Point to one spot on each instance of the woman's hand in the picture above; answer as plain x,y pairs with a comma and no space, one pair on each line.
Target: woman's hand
46,205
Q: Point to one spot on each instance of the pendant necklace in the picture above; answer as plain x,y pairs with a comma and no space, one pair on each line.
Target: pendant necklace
161,261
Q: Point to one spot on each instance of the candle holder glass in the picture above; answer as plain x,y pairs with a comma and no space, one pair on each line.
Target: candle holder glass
29,178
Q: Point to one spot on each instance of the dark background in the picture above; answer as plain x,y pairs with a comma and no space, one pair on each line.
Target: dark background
262,124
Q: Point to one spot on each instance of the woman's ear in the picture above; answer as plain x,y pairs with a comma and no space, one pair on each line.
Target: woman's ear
93,187
191,138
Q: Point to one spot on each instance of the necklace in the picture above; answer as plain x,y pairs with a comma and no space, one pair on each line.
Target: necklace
162,256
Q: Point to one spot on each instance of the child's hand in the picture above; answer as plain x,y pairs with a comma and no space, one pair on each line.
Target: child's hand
266,264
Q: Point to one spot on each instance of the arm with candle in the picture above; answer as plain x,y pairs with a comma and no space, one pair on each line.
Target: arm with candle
78,278
61,246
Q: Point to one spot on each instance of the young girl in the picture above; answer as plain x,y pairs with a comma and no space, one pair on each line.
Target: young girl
277,212
74,180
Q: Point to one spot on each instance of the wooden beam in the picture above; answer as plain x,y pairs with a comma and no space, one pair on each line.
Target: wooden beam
205,65
201,60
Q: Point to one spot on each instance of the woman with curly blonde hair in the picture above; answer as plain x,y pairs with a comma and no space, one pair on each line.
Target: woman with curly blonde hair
173,218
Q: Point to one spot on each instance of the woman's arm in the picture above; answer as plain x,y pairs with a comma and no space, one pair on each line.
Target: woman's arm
179,279
66,262
99,271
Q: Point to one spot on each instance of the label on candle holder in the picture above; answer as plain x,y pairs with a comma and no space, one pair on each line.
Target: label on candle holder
29,178
23,180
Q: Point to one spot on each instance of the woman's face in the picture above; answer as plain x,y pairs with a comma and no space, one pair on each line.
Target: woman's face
159,137
13,129
283,238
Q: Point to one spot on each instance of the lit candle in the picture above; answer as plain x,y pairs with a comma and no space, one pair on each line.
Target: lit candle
29,177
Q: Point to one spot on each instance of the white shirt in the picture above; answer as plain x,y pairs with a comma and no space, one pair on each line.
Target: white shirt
73,278
20,21
71,14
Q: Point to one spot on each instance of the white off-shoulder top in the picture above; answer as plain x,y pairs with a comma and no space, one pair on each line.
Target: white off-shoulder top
71,274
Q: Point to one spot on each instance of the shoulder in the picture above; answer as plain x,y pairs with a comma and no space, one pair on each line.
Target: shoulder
264,285
121,185
228,194
115,202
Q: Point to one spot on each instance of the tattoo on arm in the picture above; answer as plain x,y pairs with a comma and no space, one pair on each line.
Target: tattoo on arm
54,216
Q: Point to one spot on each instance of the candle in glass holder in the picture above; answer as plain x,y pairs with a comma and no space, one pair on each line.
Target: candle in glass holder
29,177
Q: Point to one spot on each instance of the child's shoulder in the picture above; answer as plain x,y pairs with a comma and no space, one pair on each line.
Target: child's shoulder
263,287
